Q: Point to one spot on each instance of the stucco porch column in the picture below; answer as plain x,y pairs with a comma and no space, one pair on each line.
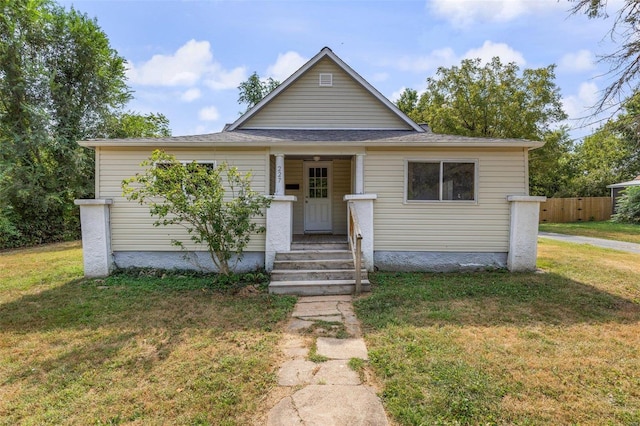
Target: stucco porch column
96,237
523,235
279,227
363,206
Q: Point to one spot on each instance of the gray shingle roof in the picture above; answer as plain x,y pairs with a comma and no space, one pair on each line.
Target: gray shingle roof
283,137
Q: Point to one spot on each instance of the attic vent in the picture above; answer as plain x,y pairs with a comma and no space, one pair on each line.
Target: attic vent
326,79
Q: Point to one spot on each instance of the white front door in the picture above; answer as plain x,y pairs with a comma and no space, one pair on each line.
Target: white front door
317,196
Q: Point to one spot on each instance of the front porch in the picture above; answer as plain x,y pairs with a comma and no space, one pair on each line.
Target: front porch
319,239
308,226
317,265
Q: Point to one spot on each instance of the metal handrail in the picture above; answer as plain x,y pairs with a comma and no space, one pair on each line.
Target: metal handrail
355,244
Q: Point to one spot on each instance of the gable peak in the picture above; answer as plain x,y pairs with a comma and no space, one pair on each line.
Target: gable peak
325,52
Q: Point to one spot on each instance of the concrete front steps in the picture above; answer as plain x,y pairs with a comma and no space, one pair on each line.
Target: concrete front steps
315,270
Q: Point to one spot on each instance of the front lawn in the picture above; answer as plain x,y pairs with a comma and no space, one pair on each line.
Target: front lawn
559,347
129,349
607,230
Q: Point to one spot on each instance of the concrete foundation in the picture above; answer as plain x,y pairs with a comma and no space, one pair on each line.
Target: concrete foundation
193,260
423,261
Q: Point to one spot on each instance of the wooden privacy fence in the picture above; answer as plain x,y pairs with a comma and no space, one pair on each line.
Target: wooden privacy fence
582,209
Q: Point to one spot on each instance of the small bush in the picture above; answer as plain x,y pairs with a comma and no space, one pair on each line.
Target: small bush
628,206
9,234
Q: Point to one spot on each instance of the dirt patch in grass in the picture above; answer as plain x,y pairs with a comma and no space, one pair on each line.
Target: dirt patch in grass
560,347
321,328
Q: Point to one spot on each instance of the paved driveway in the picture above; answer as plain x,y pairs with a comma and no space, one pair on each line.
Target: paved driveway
598,242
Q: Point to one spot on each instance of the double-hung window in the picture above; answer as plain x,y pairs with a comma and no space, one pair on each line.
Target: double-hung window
207,164
440,180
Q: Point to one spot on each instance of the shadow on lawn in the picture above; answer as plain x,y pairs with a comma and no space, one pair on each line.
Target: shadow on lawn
489,298
86,335
122,302
94,321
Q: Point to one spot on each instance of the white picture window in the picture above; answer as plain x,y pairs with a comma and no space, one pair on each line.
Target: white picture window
446,180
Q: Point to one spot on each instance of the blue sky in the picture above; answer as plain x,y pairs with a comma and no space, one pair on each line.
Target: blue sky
186,58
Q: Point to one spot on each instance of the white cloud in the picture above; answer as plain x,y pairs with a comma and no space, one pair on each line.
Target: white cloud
582,60
463,13
220,79
446,57
490,49
186,67
209,114
579,106
191,95
435,59
286,64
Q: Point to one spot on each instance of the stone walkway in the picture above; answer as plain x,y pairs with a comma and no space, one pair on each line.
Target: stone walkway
325,393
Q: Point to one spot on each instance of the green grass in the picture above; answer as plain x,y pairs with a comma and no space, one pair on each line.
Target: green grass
560,347
335,329
607,230
130,349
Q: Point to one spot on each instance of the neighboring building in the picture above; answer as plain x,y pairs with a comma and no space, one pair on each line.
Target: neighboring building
616,188
325,141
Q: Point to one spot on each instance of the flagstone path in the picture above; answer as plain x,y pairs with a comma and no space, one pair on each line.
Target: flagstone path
325,393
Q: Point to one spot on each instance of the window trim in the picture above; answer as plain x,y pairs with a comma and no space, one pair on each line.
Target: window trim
185,163
441,161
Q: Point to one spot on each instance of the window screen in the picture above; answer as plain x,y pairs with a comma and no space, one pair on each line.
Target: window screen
440,181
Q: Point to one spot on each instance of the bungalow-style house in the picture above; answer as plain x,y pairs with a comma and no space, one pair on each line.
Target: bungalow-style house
617,188
338,159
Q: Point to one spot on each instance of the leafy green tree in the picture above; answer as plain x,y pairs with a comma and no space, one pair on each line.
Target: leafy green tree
609,155
628,206
254,89
599,160
60,81
216,205
494,100
408,103
133,125
551,167
498,101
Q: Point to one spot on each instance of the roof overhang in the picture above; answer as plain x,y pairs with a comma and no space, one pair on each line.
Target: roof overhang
624,184
444,143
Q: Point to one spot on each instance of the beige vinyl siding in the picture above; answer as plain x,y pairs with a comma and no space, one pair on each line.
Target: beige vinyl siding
131,224
482,226
341,187
346,104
